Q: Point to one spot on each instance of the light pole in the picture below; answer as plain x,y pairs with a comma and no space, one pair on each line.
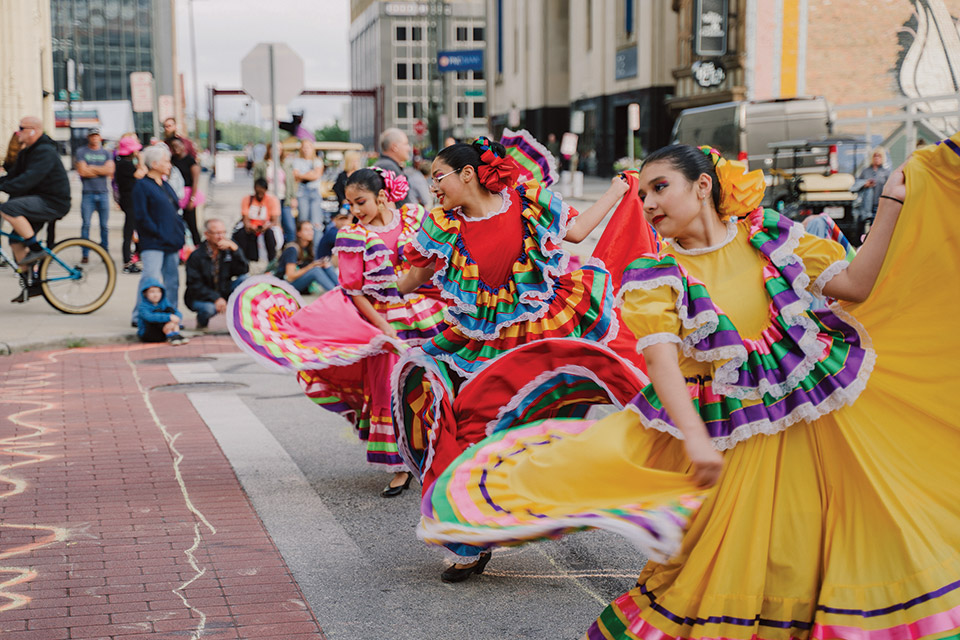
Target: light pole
193,63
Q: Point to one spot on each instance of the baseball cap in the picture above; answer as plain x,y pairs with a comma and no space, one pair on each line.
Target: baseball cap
93,132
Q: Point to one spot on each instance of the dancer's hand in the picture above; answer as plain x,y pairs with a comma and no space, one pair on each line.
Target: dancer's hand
390,332
619,185
707,461
896,186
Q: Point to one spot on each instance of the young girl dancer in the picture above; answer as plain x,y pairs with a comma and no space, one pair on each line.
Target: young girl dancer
492,248
345,344
830,437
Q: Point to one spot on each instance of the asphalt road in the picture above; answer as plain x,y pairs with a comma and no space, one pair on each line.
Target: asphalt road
356,555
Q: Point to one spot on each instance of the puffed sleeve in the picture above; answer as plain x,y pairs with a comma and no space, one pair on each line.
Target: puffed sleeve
651,314
822,260
349,249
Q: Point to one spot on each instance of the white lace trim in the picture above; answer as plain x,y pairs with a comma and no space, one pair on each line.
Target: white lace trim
390,226
794,314
506,201
827,275
656,338
731,234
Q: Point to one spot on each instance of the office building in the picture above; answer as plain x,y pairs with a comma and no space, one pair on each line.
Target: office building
399,47
26,84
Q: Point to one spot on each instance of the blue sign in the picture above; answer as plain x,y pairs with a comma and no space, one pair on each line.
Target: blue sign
463,60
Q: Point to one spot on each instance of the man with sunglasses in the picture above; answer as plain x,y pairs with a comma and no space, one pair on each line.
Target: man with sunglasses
38,187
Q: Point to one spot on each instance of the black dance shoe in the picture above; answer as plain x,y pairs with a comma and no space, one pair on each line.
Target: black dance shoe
391,492
454,574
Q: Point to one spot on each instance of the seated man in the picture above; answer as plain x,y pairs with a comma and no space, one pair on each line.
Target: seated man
260,214
214,269
38,187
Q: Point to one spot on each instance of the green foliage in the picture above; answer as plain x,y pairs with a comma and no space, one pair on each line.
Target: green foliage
332,133
236,134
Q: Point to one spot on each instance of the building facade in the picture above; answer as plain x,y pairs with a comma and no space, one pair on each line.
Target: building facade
577,65
110,39
399,47
26,84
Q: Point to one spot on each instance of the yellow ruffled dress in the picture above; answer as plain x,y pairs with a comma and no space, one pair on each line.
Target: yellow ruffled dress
838,511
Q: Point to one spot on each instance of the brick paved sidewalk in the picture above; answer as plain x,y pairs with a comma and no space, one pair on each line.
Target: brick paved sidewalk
119,515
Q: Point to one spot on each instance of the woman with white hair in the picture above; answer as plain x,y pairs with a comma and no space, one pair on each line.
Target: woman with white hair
159,225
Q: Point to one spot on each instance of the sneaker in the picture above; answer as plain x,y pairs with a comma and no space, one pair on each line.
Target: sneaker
132,267
34,255
175,339
23,296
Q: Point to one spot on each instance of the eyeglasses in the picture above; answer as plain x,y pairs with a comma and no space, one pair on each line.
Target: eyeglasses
437,179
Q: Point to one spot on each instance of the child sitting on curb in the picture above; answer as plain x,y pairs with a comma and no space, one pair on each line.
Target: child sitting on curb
157,319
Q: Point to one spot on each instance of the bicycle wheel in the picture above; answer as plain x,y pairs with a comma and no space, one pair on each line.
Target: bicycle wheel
69,285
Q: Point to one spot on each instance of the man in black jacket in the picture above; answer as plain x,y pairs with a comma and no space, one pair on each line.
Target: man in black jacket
214,269
38,187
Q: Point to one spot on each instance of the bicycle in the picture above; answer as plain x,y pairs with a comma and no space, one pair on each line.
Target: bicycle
67,283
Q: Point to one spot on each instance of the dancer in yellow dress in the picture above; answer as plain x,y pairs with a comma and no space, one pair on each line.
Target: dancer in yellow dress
830,438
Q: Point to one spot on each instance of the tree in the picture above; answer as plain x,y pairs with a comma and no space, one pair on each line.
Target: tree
332,133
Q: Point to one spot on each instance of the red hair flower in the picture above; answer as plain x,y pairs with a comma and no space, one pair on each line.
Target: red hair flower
396,187
496,173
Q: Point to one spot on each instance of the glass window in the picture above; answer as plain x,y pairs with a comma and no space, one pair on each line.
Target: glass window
462,34
401,71
401,110
478,75
417,70
478,35
417,110
416,33
401,34
462,75
479,110
462,109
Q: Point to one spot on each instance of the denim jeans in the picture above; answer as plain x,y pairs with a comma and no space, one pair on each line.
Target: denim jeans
165,267
319,275
288,223
310,206
99,202
206,309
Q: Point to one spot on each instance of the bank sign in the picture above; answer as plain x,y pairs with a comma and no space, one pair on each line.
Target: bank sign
461,60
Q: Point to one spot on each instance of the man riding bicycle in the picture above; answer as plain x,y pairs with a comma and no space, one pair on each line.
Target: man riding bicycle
38,187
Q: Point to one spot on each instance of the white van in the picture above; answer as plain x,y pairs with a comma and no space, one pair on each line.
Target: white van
744,130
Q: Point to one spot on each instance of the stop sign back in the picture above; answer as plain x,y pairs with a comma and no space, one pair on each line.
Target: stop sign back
288,69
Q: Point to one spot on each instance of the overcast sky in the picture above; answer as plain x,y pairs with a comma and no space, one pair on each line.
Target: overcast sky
228,29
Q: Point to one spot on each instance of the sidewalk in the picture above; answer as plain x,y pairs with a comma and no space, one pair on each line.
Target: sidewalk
121,517
38,325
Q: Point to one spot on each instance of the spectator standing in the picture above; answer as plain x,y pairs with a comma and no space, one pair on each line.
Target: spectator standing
260,213
870,183
352,160
395,151
213,271
299,266
38,187
170,132
95,165
307,171
190,170
158,223
129,169
263,168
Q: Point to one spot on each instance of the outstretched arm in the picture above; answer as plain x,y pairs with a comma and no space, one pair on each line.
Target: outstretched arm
588,219
413,279
856,281
366,309
668,382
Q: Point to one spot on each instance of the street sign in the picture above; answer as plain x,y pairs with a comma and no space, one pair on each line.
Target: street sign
288,70
633,117
419,128
710,19
165,107
473,93
141,91
463,60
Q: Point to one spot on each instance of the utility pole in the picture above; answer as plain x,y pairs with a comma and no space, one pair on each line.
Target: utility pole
196,90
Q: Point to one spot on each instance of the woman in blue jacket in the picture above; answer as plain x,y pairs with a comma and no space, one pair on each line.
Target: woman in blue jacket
159,225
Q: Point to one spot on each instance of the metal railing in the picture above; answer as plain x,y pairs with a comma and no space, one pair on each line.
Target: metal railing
906,111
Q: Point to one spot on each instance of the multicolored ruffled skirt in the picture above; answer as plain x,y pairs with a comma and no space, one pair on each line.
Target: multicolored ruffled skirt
343,362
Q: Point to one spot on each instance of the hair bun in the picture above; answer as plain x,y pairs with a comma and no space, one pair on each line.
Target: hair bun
740,191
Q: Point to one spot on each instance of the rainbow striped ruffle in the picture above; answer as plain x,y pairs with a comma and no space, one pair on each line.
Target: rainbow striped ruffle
459,508
482,311
804,365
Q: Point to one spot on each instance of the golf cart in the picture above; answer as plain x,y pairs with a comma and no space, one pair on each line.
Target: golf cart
809,177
